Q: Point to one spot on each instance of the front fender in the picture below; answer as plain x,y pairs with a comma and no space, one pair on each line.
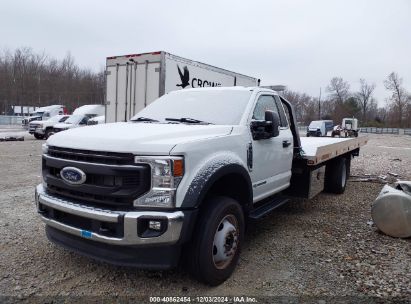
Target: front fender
215,168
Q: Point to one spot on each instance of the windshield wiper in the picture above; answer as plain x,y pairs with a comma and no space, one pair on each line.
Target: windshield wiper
189,120
144,119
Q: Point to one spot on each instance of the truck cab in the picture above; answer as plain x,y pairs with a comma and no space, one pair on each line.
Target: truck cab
179,182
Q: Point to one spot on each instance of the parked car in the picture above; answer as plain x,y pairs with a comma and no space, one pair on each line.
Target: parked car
42,129
319,128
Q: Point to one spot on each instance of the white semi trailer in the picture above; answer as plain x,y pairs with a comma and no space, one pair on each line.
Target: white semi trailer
136,80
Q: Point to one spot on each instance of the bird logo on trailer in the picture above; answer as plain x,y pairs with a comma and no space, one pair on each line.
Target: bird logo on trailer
195,82
185,78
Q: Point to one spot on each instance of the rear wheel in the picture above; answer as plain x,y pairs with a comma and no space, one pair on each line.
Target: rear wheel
217,240
38,136
336,175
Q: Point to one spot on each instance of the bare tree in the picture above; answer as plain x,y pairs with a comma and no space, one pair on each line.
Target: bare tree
339,89
30,79
303,105
364,96
399,96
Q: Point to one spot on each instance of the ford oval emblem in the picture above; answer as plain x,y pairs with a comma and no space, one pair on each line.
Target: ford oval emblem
73,176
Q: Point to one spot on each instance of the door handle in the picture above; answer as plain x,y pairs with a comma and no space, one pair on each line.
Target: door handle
286,143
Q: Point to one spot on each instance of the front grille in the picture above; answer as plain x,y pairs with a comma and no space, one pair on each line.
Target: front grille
100,157
126,181
33,127
94,200
109,183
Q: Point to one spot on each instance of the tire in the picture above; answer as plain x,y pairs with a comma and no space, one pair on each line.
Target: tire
336,175
220,224
48,133
308,134
38,136
318,134
355,133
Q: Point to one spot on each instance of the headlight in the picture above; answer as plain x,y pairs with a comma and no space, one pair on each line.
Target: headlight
166,175
44,148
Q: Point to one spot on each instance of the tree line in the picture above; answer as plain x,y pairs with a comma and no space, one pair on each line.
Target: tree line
28,78
36,79
341,102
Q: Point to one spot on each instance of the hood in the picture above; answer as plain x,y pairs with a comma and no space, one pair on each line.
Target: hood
146,138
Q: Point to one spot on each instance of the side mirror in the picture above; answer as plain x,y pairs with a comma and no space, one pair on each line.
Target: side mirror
275,122
264,129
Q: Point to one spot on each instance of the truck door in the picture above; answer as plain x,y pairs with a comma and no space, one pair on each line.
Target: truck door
272,158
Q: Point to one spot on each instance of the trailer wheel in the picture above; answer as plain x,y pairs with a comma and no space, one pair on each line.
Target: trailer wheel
38,136
336,175
217,240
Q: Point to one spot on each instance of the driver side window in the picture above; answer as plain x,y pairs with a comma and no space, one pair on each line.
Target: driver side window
264,103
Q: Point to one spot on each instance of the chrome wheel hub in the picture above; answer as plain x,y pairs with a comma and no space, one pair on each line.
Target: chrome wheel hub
225,242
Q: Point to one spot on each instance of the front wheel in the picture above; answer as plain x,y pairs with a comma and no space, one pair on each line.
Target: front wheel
217,241
38,136
48,133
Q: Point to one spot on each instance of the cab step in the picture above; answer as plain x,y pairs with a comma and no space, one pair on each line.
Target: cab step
267,207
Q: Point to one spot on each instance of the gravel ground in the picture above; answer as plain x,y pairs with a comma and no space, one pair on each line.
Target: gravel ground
323,248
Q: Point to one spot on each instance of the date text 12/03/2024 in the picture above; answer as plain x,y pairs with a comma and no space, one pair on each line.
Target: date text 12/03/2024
205,299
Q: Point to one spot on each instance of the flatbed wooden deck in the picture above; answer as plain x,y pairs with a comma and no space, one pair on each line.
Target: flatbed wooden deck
320,149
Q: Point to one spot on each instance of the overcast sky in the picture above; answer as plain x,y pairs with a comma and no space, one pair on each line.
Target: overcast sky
301,44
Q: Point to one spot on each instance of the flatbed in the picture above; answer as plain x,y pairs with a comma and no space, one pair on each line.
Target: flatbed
320,149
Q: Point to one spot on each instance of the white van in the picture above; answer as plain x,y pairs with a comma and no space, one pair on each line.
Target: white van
319,128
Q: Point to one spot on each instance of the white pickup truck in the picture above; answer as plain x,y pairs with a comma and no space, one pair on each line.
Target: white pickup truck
180,180
42,129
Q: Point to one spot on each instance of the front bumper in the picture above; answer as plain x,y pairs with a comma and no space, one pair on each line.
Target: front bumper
131,249
127,220
39,131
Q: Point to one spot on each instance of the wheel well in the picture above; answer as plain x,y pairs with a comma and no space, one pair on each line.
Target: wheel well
233,185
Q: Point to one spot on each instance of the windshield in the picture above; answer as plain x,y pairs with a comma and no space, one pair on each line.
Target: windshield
220,107
74,119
